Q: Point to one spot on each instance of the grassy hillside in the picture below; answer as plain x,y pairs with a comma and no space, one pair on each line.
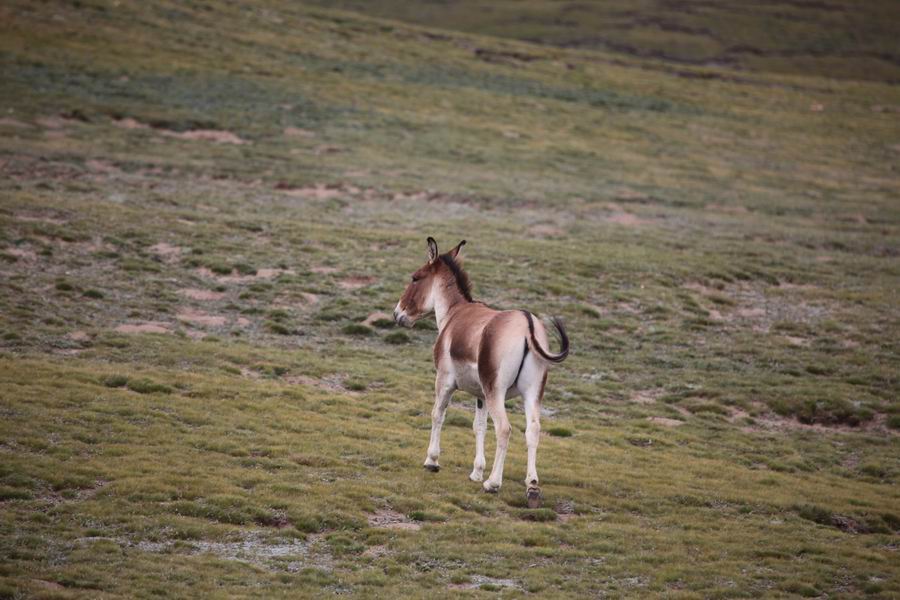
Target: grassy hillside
836,38
205,209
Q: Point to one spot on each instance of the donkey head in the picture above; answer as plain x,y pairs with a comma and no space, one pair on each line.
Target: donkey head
428,283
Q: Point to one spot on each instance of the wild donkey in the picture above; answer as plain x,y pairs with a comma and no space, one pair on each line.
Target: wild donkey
491,354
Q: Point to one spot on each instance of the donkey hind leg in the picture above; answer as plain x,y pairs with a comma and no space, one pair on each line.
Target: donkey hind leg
532,387
497,410
479,425
444,387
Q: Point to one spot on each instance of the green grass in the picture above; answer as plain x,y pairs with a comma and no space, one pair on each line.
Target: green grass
193,406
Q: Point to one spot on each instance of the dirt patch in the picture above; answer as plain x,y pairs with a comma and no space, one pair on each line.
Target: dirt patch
772,423
735,209
391,519
272,273
10,122
620,217
207,135
310,297
298,132
167,251
53,122
376,316
646,396
79,336
481,580
316,192
196,317
21,253
331,383
144,327
33,218
322,270
235,278
665,421
129,123
201,295
356,282
376,551
253,548
545,231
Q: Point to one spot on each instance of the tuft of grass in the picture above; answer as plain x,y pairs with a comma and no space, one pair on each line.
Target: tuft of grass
397,338
115,381
356,329
560,432
147,386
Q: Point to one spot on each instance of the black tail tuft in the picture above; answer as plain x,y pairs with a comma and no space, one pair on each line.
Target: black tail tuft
563,338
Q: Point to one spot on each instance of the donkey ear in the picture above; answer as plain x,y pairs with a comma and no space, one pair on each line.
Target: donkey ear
455,252
432,249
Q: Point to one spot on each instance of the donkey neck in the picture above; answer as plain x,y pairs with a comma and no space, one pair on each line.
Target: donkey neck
446,299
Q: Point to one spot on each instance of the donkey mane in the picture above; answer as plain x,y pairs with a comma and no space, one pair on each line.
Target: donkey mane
462,279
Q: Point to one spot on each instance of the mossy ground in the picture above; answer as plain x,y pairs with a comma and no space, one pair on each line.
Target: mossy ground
205,207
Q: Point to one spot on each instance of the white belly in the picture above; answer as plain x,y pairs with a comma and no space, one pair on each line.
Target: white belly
467,380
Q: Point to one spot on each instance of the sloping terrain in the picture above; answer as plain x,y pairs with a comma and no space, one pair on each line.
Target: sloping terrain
206,211
833,38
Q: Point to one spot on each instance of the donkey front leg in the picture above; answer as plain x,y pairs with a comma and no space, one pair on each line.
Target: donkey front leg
443,390
502,428
479,425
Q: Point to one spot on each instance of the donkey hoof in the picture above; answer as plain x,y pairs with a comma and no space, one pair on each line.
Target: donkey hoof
432,468
490,487
476,476
534,497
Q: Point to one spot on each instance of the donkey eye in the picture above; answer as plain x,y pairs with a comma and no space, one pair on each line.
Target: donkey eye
415,278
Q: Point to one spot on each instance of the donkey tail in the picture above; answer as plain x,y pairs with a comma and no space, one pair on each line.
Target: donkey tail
563,338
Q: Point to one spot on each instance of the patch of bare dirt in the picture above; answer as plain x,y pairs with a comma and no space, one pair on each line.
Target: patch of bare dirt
298,132
197,317
376,551
480,580
734,209
316,192
21,253
665,421
201,295
391,519
331,383
646,396
10,122
375,316
310,297
166,251
48,585
53,122
129,123
37,218
772,423
234,277
103,167
356,282
79,336
144,327
545,231
323,270
207,135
